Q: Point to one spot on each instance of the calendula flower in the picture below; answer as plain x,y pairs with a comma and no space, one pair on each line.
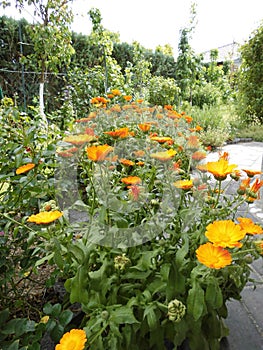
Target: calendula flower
45,217
220,169
235,175
198,155
79,139
25,168
252,173
193,142
127,98
184,184
98,153
259,246
224,155
144,127
73,340
131,180
244,185
161,139
248,225
164,156
126,162
119,133
225,233
213,256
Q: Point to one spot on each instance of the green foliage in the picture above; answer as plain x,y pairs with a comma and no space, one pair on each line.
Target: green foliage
250,78
163,91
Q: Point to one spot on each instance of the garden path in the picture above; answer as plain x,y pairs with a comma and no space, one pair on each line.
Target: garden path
245,319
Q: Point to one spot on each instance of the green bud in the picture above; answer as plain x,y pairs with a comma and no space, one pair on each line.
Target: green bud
176,310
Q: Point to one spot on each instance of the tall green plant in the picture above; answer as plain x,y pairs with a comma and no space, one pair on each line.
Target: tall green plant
251,77
51,38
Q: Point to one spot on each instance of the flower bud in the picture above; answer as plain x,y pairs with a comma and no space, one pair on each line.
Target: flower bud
176,310
121,261
105,315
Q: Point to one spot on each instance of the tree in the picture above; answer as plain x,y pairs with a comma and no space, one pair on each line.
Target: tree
188,64
250,81
51,38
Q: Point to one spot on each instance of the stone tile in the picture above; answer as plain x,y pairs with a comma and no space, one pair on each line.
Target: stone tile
243,333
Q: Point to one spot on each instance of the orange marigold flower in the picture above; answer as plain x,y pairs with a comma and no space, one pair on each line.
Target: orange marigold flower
140,163
168,107
139,153
161,139
131,180
224,155
193,142
121,133
25,168
188,119
235,175
198,155
73,340
244,185
213,256
79,139
220,169
252,173
98,153
116,92
225,233
184,184
252,192
249,226
164,156
82,120
126,162
144,127
127,98
45,217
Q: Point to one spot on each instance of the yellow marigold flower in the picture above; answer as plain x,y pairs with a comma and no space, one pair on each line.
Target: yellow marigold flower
161,139
184,184
164,156
131,180
98,153
249,226
24,168
73,340
45,217
79,139
220,169
213,256
121,133
252,173
225,233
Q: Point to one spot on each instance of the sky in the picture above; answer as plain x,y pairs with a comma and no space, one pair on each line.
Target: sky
158,22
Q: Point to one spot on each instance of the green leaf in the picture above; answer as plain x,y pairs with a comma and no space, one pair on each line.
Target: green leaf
65,317
149,313
4,316
196,301
122,315
213,295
